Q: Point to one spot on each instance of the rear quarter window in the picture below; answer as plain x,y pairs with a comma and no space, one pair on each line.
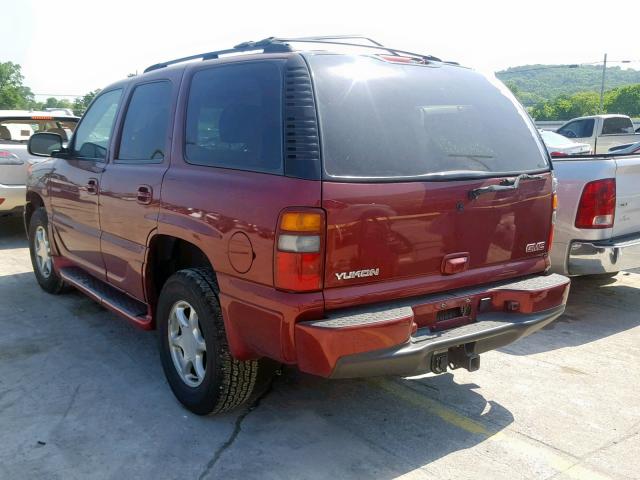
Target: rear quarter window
234,117
388,120
617,126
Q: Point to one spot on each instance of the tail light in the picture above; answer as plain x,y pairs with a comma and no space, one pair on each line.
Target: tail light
8,158
558,154
299,247
554,208
597,206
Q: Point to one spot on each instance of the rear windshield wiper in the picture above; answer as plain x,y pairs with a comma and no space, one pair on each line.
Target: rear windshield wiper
505,184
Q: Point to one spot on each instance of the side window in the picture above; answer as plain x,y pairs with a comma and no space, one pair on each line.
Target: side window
578,129
92,136
569,130
617,125
234,117
144,133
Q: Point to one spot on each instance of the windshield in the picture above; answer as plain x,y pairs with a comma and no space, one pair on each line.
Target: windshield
386,120
20,129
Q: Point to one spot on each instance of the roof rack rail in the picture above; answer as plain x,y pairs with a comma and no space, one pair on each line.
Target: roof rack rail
277,44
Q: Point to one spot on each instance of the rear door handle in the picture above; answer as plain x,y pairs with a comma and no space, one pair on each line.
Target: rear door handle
92,186
144,194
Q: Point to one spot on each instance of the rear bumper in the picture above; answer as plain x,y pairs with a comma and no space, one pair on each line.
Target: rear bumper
387,339
14,197
426,352
607,256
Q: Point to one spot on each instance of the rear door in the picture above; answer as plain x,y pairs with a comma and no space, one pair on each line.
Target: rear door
627,217
130,192
412,157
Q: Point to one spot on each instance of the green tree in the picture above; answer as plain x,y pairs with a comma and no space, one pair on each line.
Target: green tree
625,100
13,94
53,102
81,103
566,107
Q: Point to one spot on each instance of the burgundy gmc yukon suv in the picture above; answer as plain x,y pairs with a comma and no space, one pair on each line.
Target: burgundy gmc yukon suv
354,214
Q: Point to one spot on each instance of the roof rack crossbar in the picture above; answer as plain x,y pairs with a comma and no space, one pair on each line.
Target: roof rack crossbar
377,46
276,44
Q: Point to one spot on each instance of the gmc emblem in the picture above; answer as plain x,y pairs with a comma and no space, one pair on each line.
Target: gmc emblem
535,247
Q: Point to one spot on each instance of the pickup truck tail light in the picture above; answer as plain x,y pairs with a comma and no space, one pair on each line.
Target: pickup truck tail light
597,207
8,158
298,250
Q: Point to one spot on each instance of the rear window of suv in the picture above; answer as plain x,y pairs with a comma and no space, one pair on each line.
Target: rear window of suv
387,120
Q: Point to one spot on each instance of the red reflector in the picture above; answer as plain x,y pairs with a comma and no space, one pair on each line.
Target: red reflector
597,206
552,231
298,271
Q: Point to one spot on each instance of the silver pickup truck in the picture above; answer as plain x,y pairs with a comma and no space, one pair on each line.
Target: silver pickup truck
598,219
16,127
602,132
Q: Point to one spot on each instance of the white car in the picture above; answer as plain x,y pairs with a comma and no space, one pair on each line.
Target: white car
16,127
559,146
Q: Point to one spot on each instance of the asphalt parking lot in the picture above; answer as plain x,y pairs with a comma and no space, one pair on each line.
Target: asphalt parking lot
82,395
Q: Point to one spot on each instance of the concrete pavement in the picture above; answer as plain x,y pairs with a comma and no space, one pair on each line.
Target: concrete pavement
82,395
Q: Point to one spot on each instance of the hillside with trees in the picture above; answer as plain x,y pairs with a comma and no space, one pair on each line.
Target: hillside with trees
541,83
551,92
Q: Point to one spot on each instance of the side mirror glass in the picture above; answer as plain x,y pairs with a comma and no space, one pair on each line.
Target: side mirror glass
44,144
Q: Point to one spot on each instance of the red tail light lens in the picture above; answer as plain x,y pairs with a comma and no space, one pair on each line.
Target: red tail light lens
299,245
597,206
558,154
554,208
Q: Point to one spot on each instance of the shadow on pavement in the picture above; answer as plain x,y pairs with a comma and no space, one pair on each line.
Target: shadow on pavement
597,308
366,428
12,234
82,381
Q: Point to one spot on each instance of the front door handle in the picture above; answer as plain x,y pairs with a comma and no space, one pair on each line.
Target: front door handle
92,186
144,194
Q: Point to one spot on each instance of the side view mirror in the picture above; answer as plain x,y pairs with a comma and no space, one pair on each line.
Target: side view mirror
569,134
44,144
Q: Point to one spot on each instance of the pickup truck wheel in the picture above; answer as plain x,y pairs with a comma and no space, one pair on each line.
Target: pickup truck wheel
193,346
40,250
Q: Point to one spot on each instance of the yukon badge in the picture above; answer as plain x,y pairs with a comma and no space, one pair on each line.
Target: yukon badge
369,272
535,247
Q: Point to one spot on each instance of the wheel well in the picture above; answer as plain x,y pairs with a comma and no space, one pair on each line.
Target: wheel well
34,201
166,256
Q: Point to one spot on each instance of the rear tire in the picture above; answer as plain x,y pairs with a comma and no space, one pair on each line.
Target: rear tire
193,345
40,250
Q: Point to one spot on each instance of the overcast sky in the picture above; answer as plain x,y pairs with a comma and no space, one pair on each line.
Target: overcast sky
72,47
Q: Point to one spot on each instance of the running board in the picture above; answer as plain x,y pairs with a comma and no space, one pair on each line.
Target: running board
110,297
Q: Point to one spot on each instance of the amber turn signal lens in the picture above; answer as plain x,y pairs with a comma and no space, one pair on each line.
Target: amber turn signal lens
301,222
555,201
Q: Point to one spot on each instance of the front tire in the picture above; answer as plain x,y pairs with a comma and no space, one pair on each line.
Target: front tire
194,351
40,250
